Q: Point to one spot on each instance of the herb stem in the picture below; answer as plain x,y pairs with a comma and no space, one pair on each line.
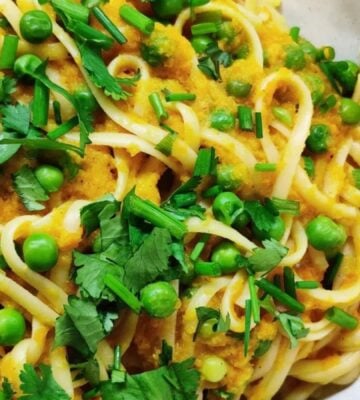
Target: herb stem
106,22
135,18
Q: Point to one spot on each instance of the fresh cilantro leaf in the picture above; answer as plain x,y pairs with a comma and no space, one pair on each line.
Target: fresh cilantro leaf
131,80
40,143
166,355
223,324
29,189
40,386
89,215
205,314
184,213
7,150
7,87
111,227
79,327
7,390
265,259
150,261
99,74
178,381
261,216
16,118
262,348
293,327
209,67
91,273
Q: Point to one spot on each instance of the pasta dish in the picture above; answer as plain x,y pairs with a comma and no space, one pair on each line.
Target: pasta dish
180,193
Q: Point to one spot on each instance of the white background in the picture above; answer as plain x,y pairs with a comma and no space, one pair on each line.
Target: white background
335,23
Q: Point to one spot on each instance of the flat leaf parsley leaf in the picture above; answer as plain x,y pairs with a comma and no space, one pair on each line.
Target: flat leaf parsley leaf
42,386
267,258
16,118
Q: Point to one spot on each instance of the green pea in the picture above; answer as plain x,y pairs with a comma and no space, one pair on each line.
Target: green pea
222,120
350,111
283,115
324,234
238,88
318,140
50,178
200,43
86,99
40,251
12,327
276,231
159,299
226,31
241,221
35,26
295,58
226,207
226,177
26,63
346,73
226,255
167,8
214,369
242,52
207,329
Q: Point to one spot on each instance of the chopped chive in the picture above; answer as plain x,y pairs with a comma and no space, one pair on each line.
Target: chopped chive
289,282
158,107
280,296
309,166
332,271
277,280
179,96
92,393
106,22
73,10
199,247
8,51
307,285
183,200
135,18
57,112
283,115
254,299
154,214
166,144
245,118
117,357
113,283
40,104
64,128
207,268
248,307
92,35
204,28
205,163
342,318
356,177
295,33
286,206
212,191
265,167
259,125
